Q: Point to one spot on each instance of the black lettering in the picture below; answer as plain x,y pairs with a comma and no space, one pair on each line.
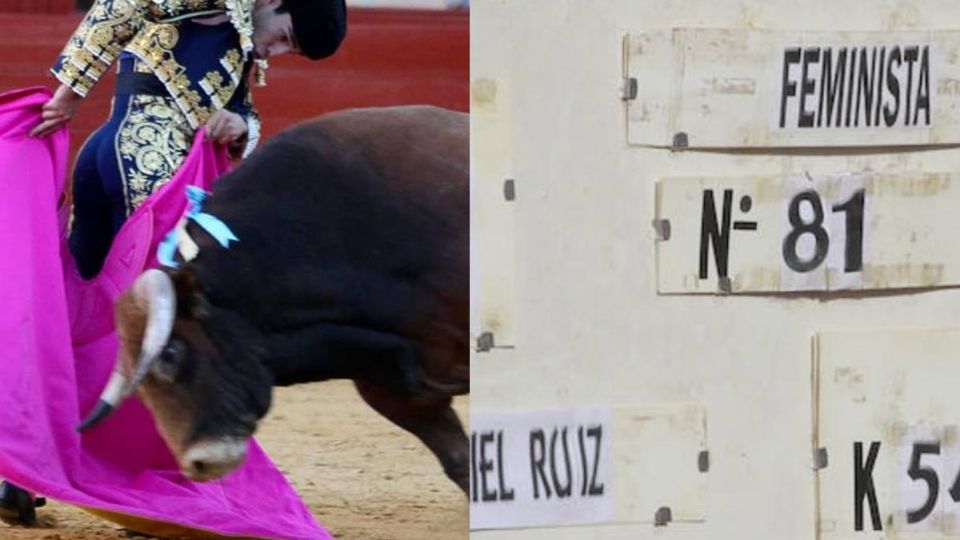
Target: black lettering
713,233
506,493
790,56
807,86
596,433
853,250
800,227
486,466
863,486
955,489
879,93
850,88
893,85
928,475
473,466
909,56
831,88
562,490
865,87
923,88
537,462
583,462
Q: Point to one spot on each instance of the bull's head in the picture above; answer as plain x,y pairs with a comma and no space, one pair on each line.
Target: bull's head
195,368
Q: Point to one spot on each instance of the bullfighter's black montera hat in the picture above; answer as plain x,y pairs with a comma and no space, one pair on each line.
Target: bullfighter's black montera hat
318,25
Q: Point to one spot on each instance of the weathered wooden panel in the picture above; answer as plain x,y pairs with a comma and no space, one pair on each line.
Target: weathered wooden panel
735,88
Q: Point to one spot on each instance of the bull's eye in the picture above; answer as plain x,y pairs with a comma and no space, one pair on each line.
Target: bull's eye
169,360
172,352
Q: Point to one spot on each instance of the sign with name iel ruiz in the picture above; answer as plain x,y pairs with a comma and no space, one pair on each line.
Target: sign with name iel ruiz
753,88
540,468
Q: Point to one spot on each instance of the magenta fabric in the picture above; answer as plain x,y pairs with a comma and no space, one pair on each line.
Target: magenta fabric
57,349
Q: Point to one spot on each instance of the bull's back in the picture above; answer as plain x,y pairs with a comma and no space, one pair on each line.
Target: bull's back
356,217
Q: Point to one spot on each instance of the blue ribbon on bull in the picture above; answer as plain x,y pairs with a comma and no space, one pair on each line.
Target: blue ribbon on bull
219,230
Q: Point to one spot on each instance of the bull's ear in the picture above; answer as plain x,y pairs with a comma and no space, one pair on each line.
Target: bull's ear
191,302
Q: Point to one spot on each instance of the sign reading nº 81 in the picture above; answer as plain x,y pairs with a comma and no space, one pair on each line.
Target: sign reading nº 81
807,232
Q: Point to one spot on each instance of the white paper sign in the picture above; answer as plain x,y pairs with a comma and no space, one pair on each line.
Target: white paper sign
540,468
738,88
824,231
812,231
885,414
918,472
855,85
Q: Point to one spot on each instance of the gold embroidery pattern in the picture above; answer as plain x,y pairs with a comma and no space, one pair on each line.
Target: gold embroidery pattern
241,16
212,84
168,6
141,67
232,62
151,143
166,9
253,132
216,87
69,75
110,24
154,46
97,42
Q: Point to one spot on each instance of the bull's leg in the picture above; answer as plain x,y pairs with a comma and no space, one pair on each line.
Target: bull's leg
432,420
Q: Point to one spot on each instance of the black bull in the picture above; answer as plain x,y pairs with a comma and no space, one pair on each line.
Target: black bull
352,262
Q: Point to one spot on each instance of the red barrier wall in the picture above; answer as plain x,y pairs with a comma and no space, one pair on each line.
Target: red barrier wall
37,6
390,57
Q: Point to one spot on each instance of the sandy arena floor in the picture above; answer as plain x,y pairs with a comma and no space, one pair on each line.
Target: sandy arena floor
363,478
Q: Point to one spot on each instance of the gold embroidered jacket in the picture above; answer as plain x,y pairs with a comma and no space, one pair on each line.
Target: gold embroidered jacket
201,66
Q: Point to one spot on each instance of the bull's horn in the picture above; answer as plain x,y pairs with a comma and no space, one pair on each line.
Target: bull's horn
109,398
154,291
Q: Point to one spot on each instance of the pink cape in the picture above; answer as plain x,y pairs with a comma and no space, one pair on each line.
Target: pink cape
57,349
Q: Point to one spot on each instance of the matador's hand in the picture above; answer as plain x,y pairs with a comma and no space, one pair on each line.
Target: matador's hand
57,112
226,127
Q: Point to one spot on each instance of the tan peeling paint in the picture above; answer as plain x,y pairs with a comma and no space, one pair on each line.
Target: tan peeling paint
733,85
927,185
902,275
750,17
851,379
691,283
948,87
949,522
757,278
951,434
895,432
492,324
904,17
637,44
767,192
643,115
483,92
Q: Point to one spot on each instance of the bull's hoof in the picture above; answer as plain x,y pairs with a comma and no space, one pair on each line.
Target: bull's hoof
17,507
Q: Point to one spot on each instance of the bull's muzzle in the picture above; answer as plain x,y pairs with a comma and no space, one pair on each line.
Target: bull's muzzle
148,306
213,458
